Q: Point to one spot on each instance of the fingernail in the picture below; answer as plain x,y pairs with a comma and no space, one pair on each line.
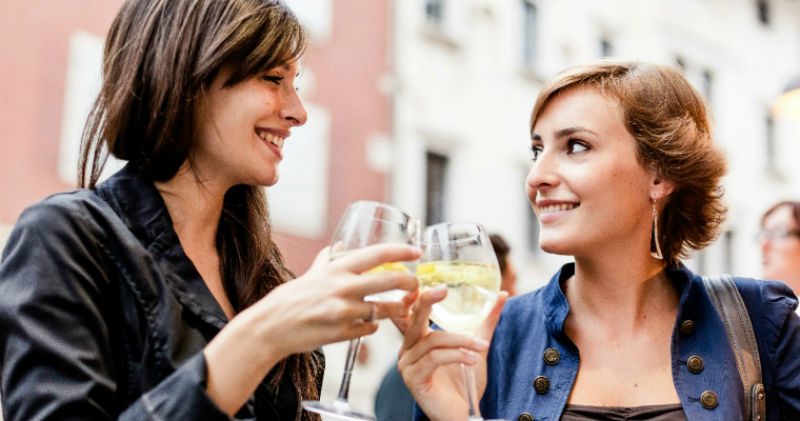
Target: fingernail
481,344
472,357
439,291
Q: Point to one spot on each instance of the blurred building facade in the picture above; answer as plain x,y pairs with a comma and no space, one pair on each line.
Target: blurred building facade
425,104
468,71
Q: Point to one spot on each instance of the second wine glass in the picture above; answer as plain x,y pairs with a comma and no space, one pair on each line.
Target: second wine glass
365,223
460,256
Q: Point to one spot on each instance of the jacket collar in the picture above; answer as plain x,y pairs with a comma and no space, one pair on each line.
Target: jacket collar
135,199
557,307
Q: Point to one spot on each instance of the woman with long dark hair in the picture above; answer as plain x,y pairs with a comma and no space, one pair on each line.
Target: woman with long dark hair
159,293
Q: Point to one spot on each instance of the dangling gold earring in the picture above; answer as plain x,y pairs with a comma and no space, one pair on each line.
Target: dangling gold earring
655,248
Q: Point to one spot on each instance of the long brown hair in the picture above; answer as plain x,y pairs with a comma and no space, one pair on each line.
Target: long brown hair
160,58
669,121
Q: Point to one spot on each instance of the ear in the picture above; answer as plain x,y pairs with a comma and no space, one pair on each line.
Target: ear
660,188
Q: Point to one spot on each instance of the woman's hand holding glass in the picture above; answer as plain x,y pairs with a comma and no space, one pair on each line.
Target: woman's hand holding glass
460,280
326,304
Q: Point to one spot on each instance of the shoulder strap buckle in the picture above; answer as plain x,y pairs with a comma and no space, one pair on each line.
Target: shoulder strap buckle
731,309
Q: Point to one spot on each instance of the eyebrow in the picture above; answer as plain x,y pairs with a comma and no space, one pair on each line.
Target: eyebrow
569,131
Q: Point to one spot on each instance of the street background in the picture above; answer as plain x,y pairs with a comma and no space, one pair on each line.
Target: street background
425,104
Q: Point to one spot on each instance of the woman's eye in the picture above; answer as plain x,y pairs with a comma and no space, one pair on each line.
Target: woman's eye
274,79
577,146
536,150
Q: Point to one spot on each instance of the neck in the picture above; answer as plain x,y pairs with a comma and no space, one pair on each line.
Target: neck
622,294
195,207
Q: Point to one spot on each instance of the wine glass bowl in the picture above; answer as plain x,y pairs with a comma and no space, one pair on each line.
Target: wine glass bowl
460,256
366,223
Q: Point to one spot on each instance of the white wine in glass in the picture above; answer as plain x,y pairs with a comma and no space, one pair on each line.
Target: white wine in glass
365,223
460,256
471,292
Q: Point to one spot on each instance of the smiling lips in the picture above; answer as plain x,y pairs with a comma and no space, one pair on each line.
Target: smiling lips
272,139
549,209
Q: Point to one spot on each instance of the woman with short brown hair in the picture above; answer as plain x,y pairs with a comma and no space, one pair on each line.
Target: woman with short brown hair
626,179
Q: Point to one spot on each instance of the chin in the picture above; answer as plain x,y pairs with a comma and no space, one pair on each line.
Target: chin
267,180
555,247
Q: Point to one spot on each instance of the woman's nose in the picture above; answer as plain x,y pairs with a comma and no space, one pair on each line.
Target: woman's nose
292,109
543,172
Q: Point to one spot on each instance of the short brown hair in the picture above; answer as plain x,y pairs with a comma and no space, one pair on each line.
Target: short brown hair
670,123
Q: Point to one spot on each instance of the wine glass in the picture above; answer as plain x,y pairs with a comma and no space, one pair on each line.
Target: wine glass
460,256
366,223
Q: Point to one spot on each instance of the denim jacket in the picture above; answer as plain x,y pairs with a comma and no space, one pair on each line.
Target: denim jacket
532,364
103,316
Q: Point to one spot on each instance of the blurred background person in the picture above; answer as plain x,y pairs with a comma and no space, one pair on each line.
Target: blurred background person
780,243
508,272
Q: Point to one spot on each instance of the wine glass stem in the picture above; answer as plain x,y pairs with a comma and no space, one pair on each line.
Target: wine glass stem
469,381
352,352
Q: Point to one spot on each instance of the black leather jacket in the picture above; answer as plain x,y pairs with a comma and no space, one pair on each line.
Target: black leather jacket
102,315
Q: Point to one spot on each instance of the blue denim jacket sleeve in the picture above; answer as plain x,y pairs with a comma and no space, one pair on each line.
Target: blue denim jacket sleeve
56,321
779,336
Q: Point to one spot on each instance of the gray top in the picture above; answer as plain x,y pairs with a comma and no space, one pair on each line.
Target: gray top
671,412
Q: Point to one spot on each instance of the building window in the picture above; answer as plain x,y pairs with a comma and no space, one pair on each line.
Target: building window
727,250
316,17
434,11
769,127
294,207
5,231
83,81
708,85
702,262
606,49
435,187
762,7
681,63
529,31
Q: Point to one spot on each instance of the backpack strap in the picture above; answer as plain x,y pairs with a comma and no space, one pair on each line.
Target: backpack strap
731,309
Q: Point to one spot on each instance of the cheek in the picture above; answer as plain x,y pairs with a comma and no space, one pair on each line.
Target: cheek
629,185
792,251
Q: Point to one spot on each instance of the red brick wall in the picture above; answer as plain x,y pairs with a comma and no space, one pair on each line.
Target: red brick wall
33,51
35,36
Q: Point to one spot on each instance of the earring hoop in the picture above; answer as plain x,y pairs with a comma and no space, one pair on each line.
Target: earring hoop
655,248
